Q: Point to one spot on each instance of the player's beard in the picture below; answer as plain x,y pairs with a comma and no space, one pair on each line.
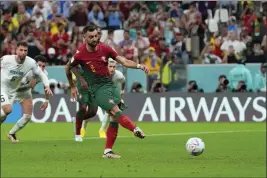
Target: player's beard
92,45
21,59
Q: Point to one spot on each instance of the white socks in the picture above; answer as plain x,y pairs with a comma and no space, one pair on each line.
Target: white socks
105,121
21,123
107,150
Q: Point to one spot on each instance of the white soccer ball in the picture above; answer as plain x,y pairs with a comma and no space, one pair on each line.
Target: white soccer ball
195,146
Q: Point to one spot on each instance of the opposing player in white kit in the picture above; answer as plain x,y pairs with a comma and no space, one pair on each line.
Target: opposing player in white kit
117,78
24,96
13,69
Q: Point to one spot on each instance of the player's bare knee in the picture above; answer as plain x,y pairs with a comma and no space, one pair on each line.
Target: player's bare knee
7,109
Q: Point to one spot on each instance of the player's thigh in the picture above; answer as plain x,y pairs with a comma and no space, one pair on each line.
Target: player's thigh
26,106
83,99
25,100
5,103
107,97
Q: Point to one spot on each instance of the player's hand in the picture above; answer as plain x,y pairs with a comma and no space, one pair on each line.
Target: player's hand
44,106
83,84
48,91
74,93
145,68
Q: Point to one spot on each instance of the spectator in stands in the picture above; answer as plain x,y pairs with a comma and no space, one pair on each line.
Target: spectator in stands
142,42
61,43
43,7
240,73
244,37
110,39
178,47
9,44
11,23
22,16
238,46
161,49
127,47
232,25
38,18
114,16
96,16
153,62
260,79
34,45
153,32
51,57
54,12
208,57
231,56
79,14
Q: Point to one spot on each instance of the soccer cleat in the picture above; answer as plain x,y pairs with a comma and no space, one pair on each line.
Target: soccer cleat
83,132
139,133
102,134
78,138
112,155
13,137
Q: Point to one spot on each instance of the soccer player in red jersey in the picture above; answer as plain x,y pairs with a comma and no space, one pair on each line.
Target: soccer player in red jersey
93,57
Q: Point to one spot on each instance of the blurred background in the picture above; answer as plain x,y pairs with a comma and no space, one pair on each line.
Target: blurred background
190,46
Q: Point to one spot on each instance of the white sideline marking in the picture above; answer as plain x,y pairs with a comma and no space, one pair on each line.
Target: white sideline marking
185,133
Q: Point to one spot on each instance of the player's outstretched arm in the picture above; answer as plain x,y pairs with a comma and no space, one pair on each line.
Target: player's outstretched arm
43,77
68,68
131,64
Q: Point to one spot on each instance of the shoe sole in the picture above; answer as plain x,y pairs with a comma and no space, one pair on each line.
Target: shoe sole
139,134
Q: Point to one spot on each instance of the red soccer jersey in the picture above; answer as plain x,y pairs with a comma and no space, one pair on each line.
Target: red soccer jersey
97,61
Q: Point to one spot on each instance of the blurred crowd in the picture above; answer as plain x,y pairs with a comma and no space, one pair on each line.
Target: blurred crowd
163,35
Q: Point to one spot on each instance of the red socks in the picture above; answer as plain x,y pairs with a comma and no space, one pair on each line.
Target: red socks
126,122
112,132
78,125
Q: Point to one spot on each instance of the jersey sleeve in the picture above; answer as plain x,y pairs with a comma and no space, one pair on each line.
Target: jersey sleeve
112,53
75,60
3,61
119,77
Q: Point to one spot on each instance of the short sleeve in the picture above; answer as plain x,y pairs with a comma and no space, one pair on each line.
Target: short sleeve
112,53
75,59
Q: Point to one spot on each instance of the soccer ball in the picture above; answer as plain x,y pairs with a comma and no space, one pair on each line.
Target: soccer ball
195,146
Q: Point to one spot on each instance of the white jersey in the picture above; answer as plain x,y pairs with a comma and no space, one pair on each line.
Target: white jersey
118,77
26,81
12,72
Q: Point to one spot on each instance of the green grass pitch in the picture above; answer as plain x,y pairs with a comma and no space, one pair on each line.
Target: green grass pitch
48,150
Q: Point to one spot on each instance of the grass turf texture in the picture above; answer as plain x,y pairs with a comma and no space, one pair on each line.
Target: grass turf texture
48,150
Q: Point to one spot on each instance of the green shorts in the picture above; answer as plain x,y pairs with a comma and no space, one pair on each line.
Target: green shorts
85,95
107,96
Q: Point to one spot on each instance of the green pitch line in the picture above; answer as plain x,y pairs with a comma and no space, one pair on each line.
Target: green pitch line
48,150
